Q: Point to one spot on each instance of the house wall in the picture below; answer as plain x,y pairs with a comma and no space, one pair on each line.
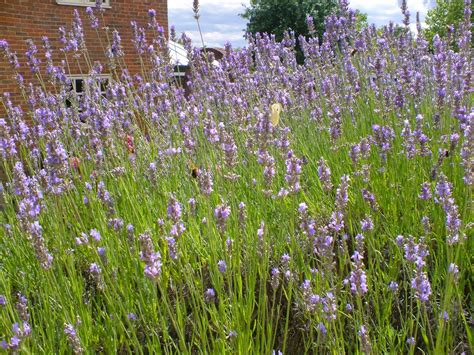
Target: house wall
24,19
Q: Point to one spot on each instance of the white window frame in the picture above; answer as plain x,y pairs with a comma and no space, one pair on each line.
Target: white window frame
74,77
89,3
179,74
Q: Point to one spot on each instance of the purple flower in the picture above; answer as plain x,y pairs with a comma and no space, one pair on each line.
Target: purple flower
232,334
174,209
16,329
261,230
139,39
14,342
22,308
302,207
310,300
364,339
416,253
324,174
336,223
230,150
73,339
95,269
33,61
393,286
268,162
275,278
222,266
3,300
358,278
132,317
93,20
12,58
443,191
421,285
210,295
151,258
467,150
453,269
444,197
116,223
205,182
425,193
369,197
222,213
285,260
310,24
177,229
26,329
354,153
329,306
192,205
4,345
293,171
342,193
322,328
307,225
116,46
95,235
400,240
42,254
172,247
383,138
367,224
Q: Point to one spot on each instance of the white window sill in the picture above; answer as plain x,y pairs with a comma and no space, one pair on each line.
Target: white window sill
80,3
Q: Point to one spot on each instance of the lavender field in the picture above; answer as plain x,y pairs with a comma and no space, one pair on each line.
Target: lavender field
275,207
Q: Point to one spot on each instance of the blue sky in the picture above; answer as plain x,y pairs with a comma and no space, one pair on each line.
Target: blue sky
221,23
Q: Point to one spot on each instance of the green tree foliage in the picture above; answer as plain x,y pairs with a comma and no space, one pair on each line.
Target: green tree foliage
446,13
277,16
361,20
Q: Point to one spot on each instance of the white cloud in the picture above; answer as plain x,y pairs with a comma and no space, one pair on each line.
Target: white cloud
381,12
220,21
215,39
226,5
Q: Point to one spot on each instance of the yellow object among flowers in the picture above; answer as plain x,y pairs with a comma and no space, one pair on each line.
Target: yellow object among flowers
275,113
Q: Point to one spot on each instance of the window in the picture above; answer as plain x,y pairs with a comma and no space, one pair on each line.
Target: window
179,71
79,86
105,3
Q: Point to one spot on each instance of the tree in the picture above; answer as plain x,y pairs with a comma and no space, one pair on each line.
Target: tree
277,16
445,13
361,20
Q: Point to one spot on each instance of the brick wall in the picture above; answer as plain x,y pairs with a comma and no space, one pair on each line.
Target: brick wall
23,19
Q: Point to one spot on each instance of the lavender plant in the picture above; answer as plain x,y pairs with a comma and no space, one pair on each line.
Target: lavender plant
291,237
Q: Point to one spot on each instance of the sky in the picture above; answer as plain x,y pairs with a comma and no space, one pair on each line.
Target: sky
220,21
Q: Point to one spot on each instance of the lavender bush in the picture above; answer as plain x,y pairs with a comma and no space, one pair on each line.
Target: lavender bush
148,220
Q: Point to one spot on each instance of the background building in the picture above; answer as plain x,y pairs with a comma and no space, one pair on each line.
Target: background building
32,19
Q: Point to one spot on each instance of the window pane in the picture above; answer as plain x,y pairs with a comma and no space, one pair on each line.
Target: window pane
79,85
103,85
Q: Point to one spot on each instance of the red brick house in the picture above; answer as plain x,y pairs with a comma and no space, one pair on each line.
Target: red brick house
32,19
